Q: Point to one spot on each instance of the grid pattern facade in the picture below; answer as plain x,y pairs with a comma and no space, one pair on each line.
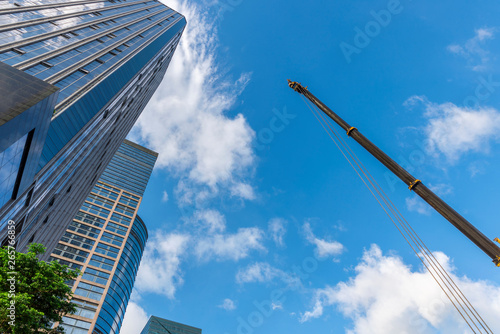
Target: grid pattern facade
128,158
105,240
158,325
76,46
107,58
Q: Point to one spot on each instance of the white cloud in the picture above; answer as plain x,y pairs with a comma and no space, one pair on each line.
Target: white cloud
159,271
211,220
134,320
186,120
386,296
277,230
228,305
454,131
263,272
230,246
164,197
417,204
243,190
324,248
473,49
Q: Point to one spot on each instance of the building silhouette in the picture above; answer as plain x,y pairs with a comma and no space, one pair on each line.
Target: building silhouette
158,325
105,241
105,59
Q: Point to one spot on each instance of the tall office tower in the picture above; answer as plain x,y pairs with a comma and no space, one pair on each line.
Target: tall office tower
106,58
105,241
157,325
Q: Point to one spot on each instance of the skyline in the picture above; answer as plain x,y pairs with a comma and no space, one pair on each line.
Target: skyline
248,191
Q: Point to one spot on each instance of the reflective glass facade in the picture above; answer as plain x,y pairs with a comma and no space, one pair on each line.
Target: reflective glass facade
105,241
25,112
82,48
106,58
10,160
157,325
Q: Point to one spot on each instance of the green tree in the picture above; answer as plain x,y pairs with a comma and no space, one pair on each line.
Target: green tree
41,295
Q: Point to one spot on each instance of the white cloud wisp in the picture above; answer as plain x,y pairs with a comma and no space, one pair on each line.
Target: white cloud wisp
228,305
186,121
263,272
278,230
473,49
324,248
453,131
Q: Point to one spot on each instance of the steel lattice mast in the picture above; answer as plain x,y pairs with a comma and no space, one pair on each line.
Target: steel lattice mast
485,244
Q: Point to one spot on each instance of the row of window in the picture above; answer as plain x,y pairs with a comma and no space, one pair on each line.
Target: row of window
104,192
101,262
70,253
115,228
90,219
95,210
85,309
84,229
100,201
78,240
74,326
94,275
89,291
107,250
70,265
112,239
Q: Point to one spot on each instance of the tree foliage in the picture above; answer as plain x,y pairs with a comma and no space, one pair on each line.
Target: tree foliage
41,294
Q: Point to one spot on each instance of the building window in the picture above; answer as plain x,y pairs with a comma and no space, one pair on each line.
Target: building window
85,309
73,326
84,229
70,265
89,291
96,276
101,262
70,253
77,240
107,250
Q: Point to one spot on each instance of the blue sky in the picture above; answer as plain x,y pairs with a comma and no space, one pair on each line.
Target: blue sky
256,222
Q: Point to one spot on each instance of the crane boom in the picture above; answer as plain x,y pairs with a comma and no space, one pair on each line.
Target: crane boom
485,244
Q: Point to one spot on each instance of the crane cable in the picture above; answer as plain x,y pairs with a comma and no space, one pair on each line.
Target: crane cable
424,254
428,255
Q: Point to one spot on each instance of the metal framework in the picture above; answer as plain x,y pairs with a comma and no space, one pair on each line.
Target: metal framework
485,244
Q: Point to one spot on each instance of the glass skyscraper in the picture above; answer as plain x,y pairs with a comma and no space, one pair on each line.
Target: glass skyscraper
158,325
105,241
106,59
